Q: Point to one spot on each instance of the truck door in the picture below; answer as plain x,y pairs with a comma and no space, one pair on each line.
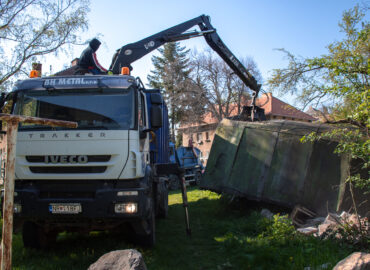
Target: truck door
143,124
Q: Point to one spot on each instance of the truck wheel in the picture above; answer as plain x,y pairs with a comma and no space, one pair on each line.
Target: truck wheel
145,230
163,201
198,176
148,240
35,236
47,239
30,235
173,182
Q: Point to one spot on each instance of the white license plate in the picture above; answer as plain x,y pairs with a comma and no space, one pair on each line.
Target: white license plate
65,208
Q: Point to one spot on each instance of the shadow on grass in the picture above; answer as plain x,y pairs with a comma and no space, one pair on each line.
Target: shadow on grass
224,236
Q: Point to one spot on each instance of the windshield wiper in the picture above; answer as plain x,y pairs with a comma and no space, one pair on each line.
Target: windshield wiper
35,128
92,127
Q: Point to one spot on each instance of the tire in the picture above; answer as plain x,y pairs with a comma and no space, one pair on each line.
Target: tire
173,182
162,201
148,240
30,235
198,176
35,236
145,229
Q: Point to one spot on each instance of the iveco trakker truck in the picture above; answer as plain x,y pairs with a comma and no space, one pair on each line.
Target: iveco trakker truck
112,169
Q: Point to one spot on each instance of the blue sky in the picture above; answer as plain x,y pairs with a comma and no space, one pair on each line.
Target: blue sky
248,28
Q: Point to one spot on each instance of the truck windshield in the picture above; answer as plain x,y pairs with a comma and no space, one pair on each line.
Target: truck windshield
91,109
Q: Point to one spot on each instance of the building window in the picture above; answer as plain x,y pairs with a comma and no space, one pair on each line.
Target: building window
207,137
199,137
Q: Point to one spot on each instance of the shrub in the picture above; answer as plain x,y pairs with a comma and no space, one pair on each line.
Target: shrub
280,229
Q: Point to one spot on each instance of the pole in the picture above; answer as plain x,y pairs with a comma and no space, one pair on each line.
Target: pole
6,251
12,122
185,202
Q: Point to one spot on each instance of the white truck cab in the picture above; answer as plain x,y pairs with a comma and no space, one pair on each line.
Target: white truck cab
95,177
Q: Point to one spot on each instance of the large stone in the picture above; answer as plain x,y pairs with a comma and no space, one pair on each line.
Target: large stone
355,261
330,223
267,213
308,230
357,222
128,259
332,218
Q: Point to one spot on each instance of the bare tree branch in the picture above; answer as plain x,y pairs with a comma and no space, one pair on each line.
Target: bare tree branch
33,28
222,91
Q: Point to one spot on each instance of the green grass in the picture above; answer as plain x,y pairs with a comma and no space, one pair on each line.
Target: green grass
224,236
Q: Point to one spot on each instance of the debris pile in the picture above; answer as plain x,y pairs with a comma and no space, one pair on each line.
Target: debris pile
348,226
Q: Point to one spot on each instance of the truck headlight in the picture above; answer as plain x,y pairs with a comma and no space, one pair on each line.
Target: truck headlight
17,208
125,208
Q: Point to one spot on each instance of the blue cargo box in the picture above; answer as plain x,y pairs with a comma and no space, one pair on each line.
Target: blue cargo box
160,146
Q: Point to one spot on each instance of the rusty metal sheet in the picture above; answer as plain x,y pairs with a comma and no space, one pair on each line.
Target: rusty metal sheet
266,161
36,120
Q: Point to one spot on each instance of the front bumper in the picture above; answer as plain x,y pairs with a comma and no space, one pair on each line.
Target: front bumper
96,197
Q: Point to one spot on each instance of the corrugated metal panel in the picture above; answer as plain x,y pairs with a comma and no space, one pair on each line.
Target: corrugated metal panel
266,161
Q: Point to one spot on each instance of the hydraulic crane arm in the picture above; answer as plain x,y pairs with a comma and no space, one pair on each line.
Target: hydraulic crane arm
134,51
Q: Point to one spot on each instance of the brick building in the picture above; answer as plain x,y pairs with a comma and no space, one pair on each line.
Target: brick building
202,134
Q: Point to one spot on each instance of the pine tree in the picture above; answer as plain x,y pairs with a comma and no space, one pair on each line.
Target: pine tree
171,74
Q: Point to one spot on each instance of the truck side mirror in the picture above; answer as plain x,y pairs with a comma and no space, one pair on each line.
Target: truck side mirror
156,98
156,110
156,116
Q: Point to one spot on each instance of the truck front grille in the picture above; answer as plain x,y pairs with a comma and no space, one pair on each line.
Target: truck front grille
92,158
64,170
66,195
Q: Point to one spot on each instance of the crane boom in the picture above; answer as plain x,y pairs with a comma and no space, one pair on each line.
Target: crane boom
134,51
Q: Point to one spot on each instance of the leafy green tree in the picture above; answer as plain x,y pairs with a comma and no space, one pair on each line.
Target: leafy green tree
33,28
178,140
339,78
171,74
